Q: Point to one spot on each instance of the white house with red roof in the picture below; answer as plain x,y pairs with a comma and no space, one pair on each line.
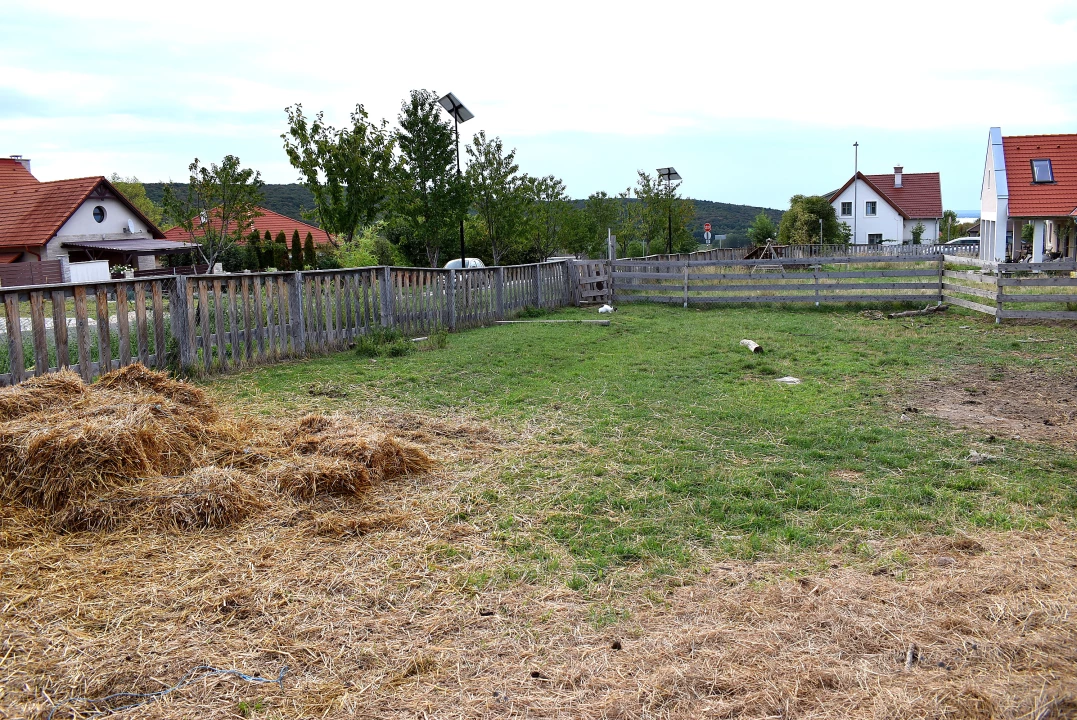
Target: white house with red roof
78,219
1029,180
886,208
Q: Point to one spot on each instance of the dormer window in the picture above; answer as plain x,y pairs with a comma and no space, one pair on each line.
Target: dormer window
1042,172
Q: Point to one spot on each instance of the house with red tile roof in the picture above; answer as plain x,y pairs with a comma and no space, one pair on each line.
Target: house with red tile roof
1029,180
270,221
74,220
886,208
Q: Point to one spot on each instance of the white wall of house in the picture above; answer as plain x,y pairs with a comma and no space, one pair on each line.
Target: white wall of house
994,201
116,216
886,222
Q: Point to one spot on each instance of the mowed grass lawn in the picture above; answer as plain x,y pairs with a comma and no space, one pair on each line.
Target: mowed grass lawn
658,444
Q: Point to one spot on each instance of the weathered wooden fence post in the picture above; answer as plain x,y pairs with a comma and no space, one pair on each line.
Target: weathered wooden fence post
452,299
538,284
942,275
385,294
686,284
180,323
500,292
298,329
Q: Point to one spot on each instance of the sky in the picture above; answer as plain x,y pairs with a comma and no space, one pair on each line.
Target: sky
751,102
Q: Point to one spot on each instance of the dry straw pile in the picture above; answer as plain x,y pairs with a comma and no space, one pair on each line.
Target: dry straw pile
140,447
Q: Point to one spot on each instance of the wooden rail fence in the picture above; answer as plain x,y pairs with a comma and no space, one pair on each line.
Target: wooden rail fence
212,323
781,280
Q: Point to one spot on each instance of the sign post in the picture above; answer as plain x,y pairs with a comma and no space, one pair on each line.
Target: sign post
707,233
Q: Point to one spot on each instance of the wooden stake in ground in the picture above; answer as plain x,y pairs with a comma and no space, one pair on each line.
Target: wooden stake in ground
929,310
528,322
752,345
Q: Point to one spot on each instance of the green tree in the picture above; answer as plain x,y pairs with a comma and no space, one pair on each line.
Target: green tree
268,257
497,192
280,251
762,229
310,254
800,223
219,206
297,251
135,192
546,210
628,227
602,213
431,197
348,171
664,213
949,227
918,233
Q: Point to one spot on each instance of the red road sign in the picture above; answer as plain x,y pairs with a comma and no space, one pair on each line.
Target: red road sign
706,227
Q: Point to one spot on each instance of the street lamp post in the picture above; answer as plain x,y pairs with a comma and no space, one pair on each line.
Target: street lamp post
459,114
670,175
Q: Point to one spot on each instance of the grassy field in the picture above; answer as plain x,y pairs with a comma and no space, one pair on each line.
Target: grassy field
658,445
635,521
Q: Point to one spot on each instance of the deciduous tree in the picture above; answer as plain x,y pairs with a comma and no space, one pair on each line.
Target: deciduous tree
762,229
219,206
135,192
348,170
430,196
800,223
497,192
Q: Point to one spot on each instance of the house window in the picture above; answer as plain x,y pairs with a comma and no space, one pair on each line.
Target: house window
1042,172
846,209
875,238
870,208
99,214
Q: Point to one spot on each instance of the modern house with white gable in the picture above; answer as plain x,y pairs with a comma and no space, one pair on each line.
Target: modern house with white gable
886,208
1029,180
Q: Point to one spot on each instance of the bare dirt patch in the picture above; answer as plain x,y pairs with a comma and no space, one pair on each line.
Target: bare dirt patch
1032,404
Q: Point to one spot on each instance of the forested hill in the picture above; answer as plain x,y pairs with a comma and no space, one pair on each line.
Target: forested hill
728,219
283,199
725,218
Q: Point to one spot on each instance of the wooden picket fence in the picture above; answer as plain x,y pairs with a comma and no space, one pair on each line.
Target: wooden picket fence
215,323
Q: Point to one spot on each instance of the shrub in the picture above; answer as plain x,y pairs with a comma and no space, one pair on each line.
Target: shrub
382,342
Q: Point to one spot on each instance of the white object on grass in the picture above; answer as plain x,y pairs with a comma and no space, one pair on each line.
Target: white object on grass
789,380
607,309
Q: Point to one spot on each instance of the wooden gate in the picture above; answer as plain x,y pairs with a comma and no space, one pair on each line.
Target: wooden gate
595,284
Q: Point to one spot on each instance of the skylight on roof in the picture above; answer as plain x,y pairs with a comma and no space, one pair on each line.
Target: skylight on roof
1042,172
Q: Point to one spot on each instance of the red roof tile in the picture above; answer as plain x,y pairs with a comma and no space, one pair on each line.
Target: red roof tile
920,194
31,213
271,221
13,173
1028,199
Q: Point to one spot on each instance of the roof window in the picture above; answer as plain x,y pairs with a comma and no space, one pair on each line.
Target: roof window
1042,172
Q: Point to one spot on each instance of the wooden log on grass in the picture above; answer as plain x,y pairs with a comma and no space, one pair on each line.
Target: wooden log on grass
929,310
529,322
752,345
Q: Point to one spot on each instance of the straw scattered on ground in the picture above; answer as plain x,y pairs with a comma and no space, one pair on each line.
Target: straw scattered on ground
140,447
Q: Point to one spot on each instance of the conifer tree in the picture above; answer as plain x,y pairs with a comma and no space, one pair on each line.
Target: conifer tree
280,251
309,252
267,251
297,251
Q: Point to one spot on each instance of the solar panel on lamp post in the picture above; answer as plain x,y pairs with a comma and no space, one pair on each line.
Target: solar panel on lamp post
460,114
670,175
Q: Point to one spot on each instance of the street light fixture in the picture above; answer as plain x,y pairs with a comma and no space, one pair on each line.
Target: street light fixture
670,175
460,114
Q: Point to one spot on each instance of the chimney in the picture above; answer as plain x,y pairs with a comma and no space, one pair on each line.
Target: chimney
25,162
897,176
